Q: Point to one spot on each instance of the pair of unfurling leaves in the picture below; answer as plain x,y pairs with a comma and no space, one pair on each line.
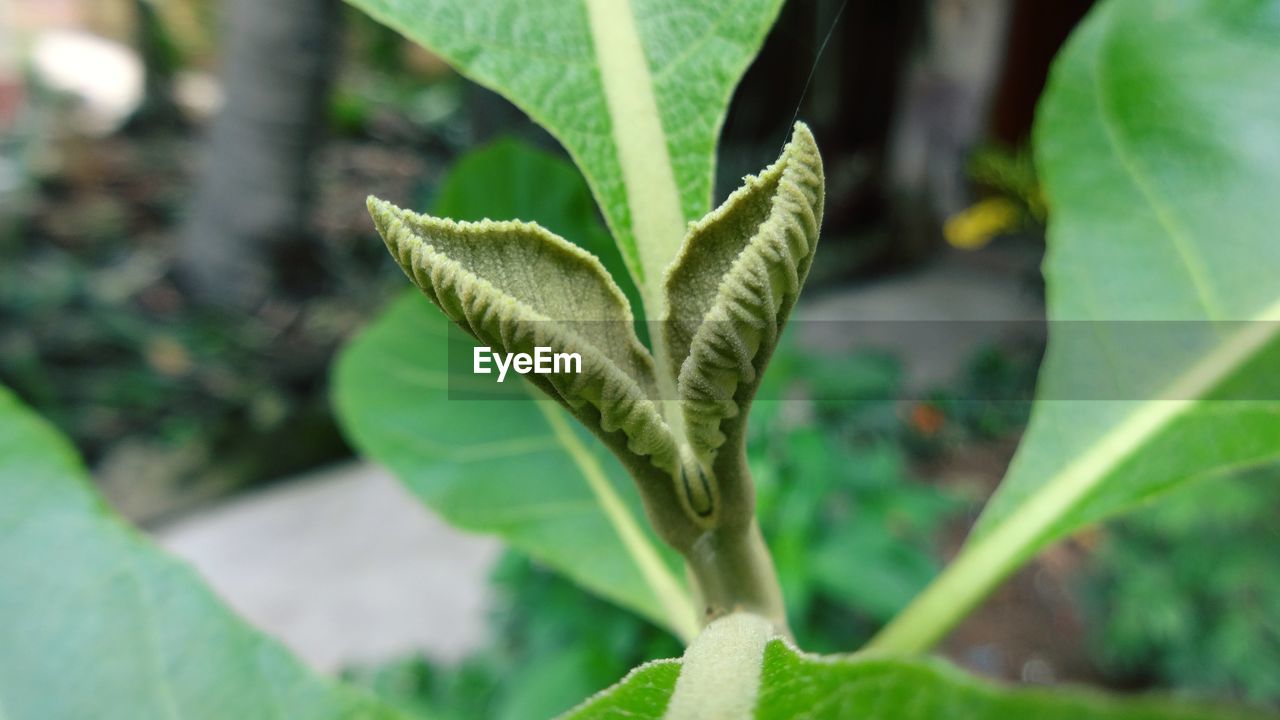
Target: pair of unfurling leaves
515,286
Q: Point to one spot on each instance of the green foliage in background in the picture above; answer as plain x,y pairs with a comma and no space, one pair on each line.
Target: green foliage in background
1187,592
551,646
852,534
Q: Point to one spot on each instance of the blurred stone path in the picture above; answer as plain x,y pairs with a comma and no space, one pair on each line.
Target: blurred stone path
343,566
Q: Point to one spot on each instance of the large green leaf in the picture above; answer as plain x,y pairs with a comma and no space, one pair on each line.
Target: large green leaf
636,90
96,623
1159,144
518,468
643,694
735,670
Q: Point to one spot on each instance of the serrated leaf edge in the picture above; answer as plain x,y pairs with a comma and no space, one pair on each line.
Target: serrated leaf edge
756,294
491,315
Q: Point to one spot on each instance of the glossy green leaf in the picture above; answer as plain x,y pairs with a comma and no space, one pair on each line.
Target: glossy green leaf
636,90
732,660
643,694
1159,144
516,468
96,623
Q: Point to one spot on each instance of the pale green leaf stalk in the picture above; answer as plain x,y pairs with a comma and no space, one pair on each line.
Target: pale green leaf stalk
677,424
720,677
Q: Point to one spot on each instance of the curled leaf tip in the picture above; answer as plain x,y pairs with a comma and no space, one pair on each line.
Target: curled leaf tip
382,213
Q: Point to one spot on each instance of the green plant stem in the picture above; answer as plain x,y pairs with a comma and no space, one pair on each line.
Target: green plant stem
722,670
732,571
730,565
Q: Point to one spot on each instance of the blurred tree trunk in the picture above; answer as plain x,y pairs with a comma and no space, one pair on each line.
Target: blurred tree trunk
941,116
839,66
254,189
1037,31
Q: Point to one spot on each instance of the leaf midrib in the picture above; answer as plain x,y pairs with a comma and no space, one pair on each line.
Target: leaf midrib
648,178
653,197
668,591
721,673
1164,213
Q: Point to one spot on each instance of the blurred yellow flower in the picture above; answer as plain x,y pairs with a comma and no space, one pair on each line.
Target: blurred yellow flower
976,225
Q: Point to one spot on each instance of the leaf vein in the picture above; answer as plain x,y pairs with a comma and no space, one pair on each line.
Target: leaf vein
1182,244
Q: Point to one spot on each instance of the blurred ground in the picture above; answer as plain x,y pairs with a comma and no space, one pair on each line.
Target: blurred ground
933,318
345,567
1031,629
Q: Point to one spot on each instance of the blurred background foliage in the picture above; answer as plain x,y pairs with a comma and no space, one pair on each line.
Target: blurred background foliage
1186,593
179,394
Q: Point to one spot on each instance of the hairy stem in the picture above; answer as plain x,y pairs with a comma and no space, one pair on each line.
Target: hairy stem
721,671
732,572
